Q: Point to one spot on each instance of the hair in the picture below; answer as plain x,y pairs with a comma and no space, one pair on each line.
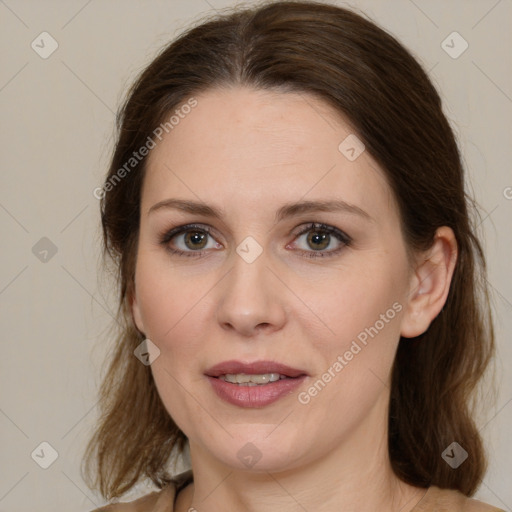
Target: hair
369,78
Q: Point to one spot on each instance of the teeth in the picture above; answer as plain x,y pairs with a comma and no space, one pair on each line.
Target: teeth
252,380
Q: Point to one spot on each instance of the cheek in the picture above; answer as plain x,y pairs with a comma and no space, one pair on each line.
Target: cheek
355,365
171,310
167,301
362,312
367,331
357,303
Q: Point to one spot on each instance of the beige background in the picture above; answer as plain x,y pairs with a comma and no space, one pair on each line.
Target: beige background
56,137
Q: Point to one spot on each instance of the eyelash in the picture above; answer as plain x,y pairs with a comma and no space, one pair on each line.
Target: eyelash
319,227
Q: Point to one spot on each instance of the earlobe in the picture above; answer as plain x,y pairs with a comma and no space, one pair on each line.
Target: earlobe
430,284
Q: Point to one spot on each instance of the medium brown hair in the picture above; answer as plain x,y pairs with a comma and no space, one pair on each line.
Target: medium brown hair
369,78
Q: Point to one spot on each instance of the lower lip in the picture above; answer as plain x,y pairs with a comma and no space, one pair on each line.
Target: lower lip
254,396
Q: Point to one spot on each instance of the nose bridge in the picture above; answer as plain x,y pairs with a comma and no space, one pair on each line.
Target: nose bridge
250,296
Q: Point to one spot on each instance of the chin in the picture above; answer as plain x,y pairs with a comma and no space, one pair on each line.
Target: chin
259,452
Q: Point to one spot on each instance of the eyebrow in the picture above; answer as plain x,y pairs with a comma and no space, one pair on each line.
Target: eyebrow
286,211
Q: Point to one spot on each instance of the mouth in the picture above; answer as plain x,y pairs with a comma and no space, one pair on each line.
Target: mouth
254,384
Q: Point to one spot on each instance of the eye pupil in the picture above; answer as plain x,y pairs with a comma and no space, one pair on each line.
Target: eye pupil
194,237
319,238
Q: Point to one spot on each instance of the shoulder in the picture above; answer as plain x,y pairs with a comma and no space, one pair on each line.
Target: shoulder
450,500
158,501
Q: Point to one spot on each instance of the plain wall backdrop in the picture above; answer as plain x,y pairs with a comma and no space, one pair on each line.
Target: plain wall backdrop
58,112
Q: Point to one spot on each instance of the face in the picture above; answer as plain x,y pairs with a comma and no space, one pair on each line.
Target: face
320,290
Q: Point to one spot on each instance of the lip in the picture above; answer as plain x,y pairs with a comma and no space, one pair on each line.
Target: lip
254,368
254,396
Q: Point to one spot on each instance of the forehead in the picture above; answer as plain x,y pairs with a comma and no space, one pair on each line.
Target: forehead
249,148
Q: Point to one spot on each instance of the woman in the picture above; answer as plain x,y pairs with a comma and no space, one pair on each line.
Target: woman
301,297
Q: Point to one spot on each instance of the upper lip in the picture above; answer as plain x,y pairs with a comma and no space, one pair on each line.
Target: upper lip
254,368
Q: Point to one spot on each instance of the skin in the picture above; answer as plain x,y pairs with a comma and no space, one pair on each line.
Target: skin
249,152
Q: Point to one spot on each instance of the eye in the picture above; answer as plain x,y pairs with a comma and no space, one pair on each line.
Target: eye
191,240
320,237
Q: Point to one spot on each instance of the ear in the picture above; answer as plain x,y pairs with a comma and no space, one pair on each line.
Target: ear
136,314
430,284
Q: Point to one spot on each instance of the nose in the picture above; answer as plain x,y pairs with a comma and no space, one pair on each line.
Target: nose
251,298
